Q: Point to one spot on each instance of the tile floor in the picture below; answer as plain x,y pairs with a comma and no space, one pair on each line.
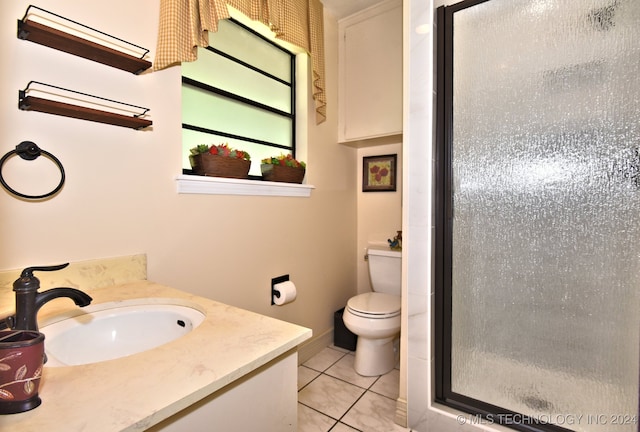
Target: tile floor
333,397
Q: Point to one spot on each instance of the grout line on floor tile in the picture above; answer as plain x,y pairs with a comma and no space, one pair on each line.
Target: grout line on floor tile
373,383
365,391
348,382
332,364
328,367
344,381
320,412
352,405
383,395
304,386
350,427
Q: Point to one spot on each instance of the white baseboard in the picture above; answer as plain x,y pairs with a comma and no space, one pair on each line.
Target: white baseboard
401,412
314,345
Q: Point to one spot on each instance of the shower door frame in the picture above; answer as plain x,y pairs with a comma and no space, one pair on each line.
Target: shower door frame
481,412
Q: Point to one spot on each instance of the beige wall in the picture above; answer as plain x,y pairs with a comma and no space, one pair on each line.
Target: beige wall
120,195
379,213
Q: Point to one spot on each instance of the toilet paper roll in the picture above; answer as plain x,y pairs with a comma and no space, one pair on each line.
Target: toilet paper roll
287,291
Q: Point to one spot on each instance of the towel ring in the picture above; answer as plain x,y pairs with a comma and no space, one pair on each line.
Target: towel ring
28,150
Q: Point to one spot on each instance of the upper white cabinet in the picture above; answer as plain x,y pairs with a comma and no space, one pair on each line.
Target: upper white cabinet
370,75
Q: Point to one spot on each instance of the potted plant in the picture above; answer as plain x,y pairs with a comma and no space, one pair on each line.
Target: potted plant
220,161
283,168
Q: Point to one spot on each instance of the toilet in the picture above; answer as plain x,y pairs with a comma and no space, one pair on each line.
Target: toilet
375,316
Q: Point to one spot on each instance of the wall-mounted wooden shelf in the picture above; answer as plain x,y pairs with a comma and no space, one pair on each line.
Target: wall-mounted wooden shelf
57,39
32,103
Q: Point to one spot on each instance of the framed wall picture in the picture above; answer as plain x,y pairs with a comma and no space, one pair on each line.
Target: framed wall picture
379,173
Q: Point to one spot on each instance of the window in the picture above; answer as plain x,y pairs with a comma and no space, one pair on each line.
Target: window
241,90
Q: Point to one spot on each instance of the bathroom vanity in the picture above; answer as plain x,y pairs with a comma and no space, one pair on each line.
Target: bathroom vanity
236,371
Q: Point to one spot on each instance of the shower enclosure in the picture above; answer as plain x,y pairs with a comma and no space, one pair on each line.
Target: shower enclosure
538,230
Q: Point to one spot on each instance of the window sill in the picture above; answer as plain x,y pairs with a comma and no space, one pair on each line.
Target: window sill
192,184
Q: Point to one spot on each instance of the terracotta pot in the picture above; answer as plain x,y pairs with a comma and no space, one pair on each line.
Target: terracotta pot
21,361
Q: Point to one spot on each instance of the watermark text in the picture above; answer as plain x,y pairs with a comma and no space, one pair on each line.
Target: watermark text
551,419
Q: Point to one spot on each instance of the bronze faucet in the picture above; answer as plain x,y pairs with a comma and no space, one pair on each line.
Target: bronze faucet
29,300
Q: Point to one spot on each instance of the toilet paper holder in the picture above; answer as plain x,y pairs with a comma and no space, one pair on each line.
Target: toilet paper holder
274,292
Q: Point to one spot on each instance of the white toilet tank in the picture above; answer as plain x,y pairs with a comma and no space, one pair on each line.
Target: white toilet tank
385,270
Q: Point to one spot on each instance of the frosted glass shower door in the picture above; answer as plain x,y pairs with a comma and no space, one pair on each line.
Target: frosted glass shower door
545,210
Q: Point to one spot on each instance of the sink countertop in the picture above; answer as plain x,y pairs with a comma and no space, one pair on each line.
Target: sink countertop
133,393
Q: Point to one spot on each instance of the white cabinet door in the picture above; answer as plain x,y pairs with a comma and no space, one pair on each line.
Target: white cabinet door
265,400
370,73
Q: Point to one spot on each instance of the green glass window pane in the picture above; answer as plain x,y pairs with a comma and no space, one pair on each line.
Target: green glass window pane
218,71
211,111
234,40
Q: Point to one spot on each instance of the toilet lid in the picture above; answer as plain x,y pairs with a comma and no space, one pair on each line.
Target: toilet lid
375,305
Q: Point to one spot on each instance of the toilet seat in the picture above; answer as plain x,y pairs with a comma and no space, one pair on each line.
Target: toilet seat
374,305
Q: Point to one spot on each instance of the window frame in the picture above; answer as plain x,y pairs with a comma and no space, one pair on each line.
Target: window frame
193,184
292,115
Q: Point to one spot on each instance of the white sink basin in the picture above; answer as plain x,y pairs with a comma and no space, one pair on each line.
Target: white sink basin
112,330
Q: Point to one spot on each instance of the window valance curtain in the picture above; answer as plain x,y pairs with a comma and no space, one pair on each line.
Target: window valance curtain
184,26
